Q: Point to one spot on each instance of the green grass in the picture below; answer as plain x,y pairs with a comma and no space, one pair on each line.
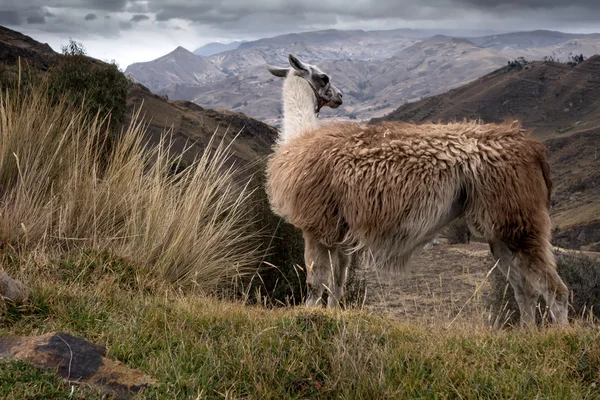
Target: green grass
198,346
21,381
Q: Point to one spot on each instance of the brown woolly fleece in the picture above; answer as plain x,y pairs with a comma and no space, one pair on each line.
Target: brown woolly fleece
390,187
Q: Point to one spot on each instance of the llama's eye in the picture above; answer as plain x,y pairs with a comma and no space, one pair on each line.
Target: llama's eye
325,79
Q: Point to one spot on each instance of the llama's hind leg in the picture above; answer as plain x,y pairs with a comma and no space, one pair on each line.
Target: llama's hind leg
531,272
525,295
338,275
319,261
539,270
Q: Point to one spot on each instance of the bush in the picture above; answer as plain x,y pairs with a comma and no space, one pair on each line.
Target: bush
457,231
580,273
281,278
18,78
101,86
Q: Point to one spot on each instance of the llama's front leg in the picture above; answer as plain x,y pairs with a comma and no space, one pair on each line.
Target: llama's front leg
338,274
317,260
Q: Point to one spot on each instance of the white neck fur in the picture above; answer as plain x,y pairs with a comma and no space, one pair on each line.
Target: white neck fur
299,105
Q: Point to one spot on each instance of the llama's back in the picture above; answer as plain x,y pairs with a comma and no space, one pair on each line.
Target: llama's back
394,184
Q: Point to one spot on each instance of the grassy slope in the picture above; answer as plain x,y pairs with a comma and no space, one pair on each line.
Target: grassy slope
197,346
119,253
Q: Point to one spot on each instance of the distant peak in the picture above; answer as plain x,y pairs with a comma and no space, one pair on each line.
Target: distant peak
181,49
462,41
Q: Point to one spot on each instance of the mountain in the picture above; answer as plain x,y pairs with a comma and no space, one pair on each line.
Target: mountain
213,48
528,40
423,69
369,87
187,124
180,66
314,46
376,70
561,103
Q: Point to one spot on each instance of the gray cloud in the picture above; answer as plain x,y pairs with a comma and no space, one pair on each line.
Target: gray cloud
213,12
242,19
536,4
36,19
10,17
108,5
139,17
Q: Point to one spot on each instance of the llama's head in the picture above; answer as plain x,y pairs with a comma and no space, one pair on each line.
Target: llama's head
326,94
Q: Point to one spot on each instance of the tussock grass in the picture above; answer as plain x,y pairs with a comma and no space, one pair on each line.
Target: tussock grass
65,185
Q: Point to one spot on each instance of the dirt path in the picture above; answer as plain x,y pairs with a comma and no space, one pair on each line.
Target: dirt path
442,283
439,282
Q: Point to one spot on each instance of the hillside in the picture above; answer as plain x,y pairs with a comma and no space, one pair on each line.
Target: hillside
561,103
189,124
210,49
528,40
15,45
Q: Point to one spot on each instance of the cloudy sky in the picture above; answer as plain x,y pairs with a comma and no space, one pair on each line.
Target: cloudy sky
140,30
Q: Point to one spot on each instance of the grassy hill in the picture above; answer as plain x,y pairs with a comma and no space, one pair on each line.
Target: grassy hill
123,250
560,103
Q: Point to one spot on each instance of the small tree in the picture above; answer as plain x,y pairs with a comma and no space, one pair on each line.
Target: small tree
576,59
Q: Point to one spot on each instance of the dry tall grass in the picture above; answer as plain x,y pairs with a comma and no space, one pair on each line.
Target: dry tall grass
62,189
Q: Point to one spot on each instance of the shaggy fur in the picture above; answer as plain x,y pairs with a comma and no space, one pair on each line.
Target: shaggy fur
390,187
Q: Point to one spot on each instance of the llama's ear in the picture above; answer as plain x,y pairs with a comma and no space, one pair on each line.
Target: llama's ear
278,72
297,64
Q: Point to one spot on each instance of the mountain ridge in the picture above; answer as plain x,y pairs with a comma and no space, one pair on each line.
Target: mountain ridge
376,70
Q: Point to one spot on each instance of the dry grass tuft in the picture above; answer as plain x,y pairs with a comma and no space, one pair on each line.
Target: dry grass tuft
66,185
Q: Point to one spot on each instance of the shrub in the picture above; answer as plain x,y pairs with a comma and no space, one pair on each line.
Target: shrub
457,231
18,78
280,279
62,190
101,86
580,273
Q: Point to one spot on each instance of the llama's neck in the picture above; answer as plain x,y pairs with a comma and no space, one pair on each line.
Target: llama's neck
299,104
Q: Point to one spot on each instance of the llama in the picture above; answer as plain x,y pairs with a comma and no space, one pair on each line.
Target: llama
389,188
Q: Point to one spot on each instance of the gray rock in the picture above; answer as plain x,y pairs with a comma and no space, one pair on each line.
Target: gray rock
12,290
77,361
